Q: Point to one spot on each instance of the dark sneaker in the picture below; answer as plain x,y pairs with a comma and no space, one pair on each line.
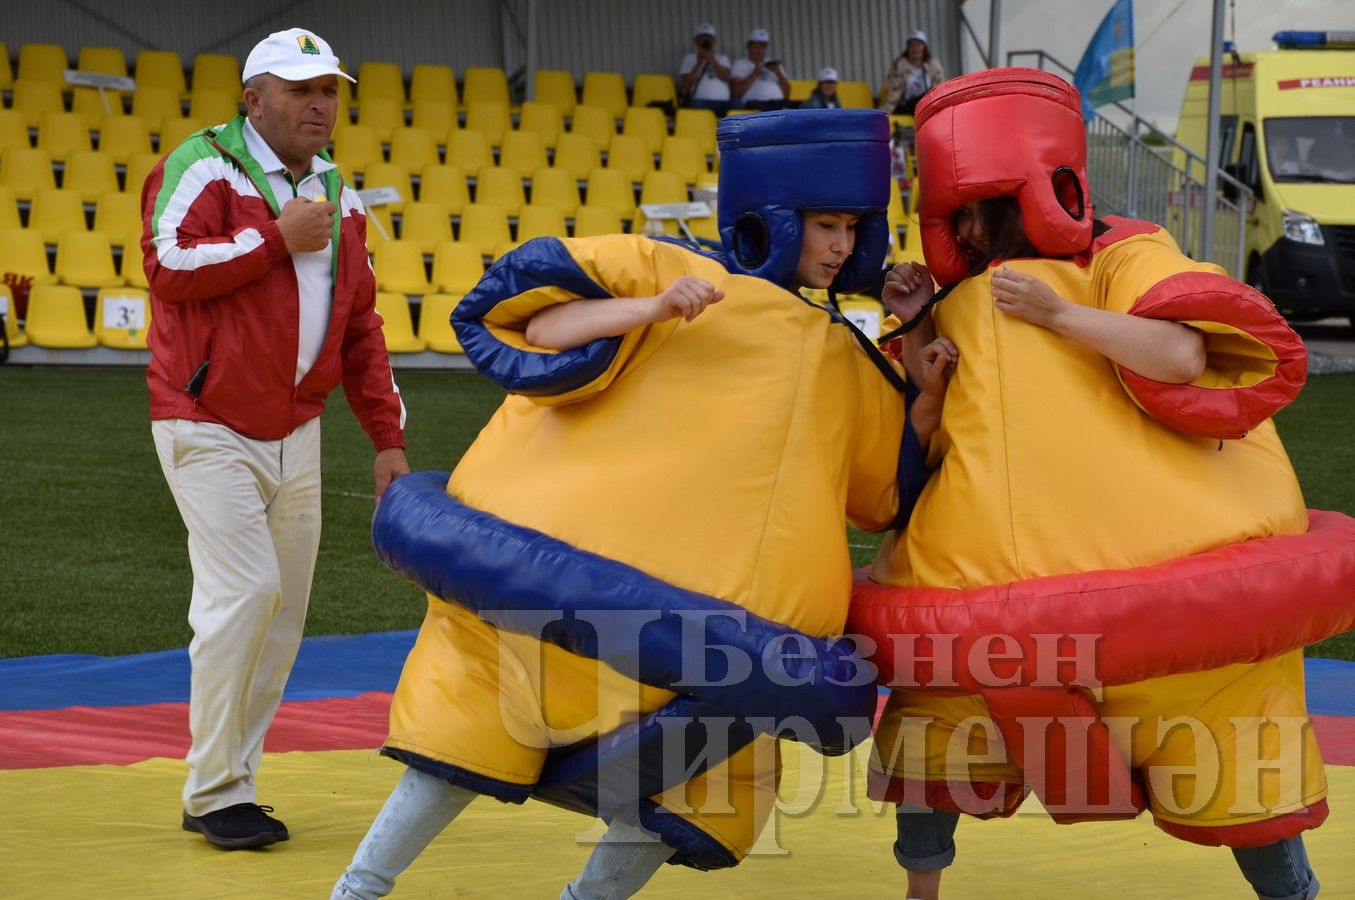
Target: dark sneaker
238,827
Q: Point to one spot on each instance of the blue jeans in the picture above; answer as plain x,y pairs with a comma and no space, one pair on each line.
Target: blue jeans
1277,871
421,806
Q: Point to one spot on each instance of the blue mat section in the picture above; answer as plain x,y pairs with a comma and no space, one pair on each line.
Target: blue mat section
347,665
331,666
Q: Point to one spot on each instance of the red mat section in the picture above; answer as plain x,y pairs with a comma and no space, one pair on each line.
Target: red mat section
119,735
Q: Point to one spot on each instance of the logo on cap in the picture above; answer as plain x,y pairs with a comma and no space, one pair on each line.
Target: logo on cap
308,44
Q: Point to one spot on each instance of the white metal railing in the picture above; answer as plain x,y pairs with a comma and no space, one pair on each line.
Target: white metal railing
1160,180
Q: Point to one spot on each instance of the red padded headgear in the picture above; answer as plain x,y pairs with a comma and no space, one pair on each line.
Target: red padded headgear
1015,132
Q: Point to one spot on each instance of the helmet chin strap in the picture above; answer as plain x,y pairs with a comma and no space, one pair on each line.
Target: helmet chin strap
873,353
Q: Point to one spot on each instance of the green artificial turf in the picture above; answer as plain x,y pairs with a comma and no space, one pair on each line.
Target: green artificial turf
92,551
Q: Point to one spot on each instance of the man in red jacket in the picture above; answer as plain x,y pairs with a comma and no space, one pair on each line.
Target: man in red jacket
262,299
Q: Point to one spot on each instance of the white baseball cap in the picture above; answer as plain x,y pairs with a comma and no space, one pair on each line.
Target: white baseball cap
828,74
759,36
705,28
918,35
293,55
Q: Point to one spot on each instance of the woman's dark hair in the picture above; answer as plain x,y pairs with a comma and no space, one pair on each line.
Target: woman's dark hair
1006,240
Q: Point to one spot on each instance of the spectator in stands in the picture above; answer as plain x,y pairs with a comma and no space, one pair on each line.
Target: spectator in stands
758,82
913,74
825,92
703,78
263,298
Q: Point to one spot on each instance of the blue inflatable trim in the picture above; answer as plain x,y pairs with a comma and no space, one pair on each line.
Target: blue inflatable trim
541,262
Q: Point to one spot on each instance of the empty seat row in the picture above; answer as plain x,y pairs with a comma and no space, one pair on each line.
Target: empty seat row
55,318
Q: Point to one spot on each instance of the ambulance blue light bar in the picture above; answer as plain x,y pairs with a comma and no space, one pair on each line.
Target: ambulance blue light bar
1315,40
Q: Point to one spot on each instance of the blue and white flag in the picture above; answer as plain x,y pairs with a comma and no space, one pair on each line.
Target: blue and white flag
1106,72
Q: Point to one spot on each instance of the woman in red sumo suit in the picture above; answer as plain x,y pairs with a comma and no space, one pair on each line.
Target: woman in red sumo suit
1104,590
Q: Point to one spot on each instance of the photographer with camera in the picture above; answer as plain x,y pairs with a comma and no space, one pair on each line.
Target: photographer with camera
703,77
758,82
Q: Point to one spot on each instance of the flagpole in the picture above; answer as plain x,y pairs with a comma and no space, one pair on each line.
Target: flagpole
1211,162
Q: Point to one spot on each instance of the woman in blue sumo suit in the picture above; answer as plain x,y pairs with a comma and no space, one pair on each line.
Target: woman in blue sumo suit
636,572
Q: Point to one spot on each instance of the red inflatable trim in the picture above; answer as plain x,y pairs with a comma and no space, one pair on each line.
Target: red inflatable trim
1254,834
981,799
1025,632
1226,414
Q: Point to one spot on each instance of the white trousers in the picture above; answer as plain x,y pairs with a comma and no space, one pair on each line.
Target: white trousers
252,509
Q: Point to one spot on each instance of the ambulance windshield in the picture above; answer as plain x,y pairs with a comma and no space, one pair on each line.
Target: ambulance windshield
1318,149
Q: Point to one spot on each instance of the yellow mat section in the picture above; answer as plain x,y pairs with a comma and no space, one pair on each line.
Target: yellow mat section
113,831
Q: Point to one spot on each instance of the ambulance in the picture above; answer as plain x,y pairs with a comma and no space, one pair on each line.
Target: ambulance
1287,129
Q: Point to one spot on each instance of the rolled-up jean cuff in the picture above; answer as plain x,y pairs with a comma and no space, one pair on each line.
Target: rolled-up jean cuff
925,863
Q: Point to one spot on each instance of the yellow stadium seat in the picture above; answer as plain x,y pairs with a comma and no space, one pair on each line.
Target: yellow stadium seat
89,172
445,185
43,62
25,169
32,98
707,227
23,254
216,72
397,326
154,104
457,267
591,221
414,148
85,259
650,88
399,268
9,209
216,107
435,322
380,228
630,154
139,165
432,82
543,120
55,212
381,79
500,186
595,122
522,150
388,174
469,151
425,224
61,132
132,267
381,114
13,130
481,84
122,316
557,188
555,88
648,123
105,60
93,105
610,187
160,68
121,137
356,147
8,310
174,130
855,95
486,227
118,215
6,72
682,156
697,124
437,116
606,90
490,118
540,221
577,154
56,318
801,88
660,187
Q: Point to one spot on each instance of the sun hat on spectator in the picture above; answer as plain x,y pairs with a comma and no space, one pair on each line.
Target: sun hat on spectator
293,55
759,36
828,73
705,28
918,35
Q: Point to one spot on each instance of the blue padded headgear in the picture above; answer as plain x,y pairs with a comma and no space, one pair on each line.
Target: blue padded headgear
773,165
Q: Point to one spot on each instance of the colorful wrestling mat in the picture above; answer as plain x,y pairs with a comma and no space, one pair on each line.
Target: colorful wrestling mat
91,767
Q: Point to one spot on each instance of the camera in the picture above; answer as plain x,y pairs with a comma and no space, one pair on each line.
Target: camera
706,43
772,62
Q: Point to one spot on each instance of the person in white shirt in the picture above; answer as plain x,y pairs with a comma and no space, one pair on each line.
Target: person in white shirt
756,81
703,77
